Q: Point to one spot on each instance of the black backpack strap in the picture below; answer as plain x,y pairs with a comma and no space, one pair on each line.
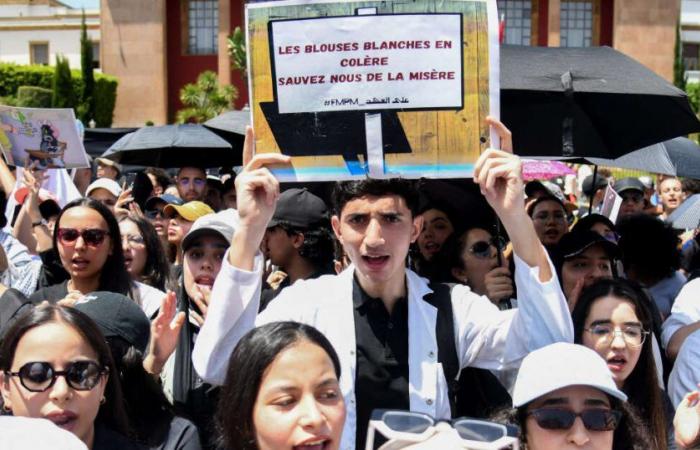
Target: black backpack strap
441,299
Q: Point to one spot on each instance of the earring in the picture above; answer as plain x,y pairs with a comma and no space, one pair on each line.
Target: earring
103,400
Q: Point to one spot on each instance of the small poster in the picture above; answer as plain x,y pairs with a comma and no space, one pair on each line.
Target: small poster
611,204
46,137
373,88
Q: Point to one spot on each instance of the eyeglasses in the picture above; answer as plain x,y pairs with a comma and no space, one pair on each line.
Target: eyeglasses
633,335
91,236
133,240
155,213
198,182
563,419
40,376
482,249
411,427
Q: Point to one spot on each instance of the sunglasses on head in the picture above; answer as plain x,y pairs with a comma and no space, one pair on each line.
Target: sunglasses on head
40,376
91,236
563,419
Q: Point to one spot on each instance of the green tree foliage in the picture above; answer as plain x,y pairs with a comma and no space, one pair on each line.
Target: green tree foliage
236,49
204,99
63,92
34,97
87,107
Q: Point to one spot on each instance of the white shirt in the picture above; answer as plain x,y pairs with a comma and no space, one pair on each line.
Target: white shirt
685,310
486,337
685,375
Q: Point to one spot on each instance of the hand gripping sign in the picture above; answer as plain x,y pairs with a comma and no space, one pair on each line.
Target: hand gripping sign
384,89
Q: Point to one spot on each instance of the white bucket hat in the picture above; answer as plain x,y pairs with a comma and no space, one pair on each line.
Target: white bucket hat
562,365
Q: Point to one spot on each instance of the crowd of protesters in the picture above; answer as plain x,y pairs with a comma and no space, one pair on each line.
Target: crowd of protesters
227,312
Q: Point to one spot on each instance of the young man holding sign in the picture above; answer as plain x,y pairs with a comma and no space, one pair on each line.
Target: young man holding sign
367,311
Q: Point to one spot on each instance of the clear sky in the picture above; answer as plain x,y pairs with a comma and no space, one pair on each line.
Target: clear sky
87,4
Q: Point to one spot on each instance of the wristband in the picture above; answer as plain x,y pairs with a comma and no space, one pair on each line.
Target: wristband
36,224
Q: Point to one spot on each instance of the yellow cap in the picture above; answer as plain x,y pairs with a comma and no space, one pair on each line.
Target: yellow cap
190,211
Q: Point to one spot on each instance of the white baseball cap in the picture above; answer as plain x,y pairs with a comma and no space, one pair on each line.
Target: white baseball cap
562,365
223,223
104,183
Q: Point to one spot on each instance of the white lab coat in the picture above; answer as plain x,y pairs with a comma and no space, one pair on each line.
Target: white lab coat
486,337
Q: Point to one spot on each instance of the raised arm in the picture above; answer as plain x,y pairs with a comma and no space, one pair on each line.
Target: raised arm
499,175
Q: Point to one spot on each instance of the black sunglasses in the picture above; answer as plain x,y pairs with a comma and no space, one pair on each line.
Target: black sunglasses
154,213
40,376
482,249
91,236
563,419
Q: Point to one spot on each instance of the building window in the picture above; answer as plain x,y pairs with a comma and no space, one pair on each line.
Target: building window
691,53
39,53
202,27
517,15
96,54
576,23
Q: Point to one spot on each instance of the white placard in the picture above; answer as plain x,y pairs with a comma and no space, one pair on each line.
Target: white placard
411,61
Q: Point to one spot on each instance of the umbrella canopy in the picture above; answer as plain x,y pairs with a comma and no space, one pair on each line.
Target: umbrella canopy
591,102
173,146
545,170
677,157
686,216
98,140
231,126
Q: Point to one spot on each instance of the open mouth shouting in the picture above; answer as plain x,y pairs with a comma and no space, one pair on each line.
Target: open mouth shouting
375,262
204,281
616,363
314,444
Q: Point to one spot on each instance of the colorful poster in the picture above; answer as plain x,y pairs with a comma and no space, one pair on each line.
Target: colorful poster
611,204
46,137
373,88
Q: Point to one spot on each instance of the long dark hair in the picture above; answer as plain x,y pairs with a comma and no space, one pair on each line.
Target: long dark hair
251,357
156,271
642,385
113,276
112,413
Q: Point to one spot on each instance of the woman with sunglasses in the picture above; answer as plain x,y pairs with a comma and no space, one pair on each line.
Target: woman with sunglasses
145,260
565,399
87,239
282,391
56,365
476,259
612,317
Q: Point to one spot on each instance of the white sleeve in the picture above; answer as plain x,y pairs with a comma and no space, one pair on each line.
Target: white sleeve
493,339
233,307
685,311
685,375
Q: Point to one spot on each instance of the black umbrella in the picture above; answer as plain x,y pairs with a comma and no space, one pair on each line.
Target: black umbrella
677,157
98,140
686,216
173,146
591,102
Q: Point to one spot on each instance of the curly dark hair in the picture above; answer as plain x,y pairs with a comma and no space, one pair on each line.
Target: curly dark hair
162,177
345,191
649,248
318,247
630,434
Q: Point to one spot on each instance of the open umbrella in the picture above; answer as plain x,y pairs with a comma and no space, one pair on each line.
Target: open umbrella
678,157
686,216
536,169
590,102
174,146
231,126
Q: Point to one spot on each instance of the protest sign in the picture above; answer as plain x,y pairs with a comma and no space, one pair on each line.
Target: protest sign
46,137
379,88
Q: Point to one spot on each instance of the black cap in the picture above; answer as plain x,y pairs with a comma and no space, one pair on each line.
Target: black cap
629,184
117,316
587,186
586,222
168,199
576,242
299,208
